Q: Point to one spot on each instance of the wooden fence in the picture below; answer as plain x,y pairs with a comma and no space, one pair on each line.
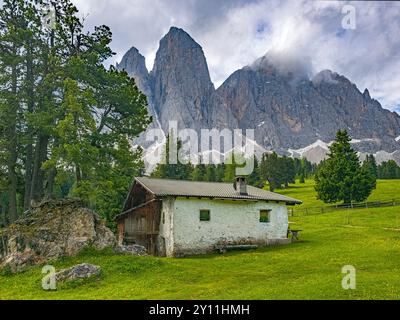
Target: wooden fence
354,205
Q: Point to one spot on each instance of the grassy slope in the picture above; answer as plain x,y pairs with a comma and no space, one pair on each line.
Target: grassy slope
386,190
310,269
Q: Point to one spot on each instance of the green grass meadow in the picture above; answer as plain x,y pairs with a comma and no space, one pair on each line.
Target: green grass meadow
368,239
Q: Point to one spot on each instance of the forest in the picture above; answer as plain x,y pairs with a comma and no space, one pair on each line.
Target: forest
66,121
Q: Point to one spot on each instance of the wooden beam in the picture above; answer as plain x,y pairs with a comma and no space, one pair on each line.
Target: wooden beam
135,208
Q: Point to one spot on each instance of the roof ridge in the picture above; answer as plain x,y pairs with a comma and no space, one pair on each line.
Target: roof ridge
179,180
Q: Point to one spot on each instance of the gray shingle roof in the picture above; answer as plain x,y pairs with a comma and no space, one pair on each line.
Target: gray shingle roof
168,187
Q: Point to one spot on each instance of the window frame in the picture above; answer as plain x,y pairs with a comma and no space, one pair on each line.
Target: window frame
200,215
268,211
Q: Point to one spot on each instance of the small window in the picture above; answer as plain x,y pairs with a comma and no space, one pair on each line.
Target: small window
204,215
264,215
163,217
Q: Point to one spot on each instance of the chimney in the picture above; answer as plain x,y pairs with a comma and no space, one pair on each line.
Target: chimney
240,185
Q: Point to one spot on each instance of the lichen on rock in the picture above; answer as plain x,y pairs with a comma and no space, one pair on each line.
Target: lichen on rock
51,230
80,271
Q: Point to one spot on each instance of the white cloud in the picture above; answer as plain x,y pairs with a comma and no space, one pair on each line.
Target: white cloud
235,33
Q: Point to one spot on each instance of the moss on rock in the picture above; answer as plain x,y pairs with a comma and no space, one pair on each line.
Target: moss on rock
51,230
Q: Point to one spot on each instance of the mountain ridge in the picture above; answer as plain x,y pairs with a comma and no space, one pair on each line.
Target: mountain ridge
288,109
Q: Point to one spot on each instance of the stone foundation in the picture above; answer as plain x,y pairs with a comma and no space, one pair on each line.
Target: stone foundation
180,252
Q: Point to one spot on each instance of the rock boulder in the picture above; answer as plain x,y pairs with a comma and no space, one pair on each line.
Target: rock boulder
80,271
134,249
52,230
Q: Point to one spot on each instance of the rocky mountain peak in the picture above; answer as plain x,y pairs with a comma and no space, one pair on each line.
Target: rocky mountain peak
133,62
289,67
366,94
182,85
178,44
178,34
325,76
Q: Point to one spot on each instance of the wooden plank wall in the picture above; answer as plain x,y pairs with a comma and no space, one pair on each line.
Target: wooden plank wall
141,226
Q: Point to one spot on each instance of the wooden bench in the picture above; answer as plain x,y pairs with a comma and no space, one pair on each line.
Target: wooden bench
225,248
294,233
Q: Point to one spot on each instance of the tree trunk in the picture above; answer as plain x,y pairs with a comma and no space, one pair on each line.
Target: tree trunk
271,185
37,184
12,149
3,212
12,187
50,183
38,173
29,133
28,175
51,177
78,175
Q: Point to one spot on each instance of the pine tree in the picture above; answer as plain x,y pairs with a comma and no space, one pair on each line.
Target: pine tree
179,171
306,168
302,178
210,174
12,30
370,164
254,178
230,168
273,170
388,170
340,177
289,170
199,172
220,172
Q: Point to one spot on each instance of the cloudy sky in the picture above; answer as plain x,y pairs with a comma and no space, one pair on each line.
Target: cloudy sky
233,33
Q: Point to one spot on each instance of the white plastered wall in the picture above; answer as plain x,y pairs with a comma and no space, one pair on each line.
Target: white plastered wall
231,222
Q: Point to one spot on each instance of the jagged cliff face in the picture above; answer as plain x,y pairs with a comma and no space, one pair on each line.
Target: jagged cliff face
178,88
135,65
181,82
294,113
287,109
